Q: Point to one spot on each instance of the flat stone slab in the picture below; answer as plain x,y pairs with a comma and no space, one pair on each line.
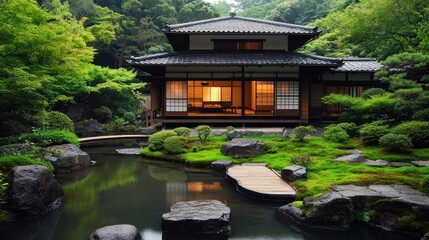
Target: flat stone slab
116,232
220,165
401,164
421,163
376,163
355,156
197,217
129,151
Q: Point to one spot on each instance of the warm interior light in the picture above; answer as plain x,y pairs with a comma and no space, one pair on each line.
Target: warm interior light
211,94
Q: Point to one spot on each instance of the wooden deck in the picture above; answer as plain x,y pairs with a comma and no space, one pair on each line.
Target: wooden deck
256,180
111,137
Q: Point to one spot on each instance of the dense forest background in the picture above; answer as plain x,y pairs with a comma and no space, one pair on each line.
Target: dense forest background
58,55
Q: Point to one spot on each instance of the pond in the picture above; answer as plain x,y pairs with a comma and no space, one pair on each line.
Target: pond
132,190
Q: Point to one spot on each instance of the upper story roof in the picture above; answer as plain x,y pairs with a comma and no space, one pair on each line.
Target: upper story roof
240,25
359,65
231,58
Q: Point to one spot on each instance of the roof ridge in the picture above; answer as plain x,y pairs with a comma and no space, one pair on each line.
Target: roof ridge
320,57
151,56
187,24
275,23
359,59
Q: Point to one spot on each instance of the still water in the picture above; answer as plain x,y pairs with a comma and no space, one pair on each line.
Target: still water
132,190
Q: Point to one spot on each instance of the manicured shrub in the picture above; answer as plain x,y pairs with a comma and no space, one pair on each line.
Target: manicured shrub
422,115
367,94
175,144
55,121
303,160
302,131
50,137
156,140
418,131
194,149
350,128
372,132
183,131
203,131
392,142
336,134
103,114
129,117
9,162
229,128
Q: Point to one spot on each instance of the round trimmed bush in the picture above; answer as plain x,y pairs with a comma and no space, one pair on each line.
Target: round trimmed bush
367,94
301,131
371,133
175,144
183,131
395,142
59,121
350,128
336,134
49,137
156,140
418,131
302,160
103,114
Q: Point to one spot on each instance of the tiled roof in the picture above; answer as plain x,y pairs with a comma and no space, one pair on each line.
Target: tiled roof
359,65
230,58
234,24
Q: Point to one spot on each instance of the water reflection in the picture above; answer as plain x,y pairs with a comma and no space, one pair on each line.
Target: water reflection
128,190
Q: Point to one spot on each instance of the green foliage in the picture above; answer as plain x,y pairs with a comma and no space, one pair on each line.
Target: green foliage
50,137
9,162
203,131
367,94
194,149
156,140
301,12
3,187
54,121
10,127
350,128
372,132
129,117
421,115
395,142
425,183
302,160
336,134
175,144
183,131
418,131
229,128
103,114
301,131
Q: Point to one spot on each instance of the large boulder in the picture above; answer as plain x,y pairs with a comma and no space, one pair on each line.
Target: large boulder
67,158
294,172
425,237
243,148
116,232
16,148
328,211
33,191
146,130
220,165
197,217
88,128
233,134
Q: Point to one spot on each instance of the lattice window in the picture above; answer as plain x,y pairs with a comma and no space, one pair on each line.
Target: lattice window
287,95
177,96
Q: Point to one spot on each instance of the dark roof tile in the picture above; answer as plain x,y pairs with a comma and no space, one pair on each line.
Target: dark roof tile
230,58
233,24
359,65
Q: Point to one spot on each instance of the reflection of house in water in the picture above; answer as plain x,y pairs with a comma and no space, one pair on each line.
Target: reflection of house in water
195,189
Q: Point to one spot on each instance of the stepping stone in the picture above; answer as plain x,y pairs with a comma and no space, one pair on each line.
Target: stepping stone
376,163
116,232
197,217
294,172
421,163
129,151
400,164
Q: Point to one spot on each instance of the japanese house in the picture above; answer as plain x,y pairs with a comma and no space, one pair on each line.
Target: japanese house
244,70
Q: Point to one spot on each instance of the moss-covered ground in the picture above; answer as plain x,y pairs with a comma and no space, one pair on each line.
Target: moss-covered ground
323,172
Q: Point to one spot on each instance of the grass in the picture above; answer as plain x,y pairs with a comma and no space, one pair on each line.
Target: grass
323,172
9,162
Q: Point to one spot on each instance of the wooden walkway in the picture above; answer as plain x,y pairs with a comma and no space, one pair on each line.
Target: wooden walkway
111,137
260,182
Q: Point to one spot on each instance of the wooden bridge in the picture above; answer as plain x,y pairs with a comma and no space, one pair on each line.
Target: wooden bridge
258,181
111,137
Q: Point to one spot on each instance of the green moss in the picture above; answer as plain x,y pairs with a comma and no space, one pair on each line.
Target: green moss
373,152
298,204
9,162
